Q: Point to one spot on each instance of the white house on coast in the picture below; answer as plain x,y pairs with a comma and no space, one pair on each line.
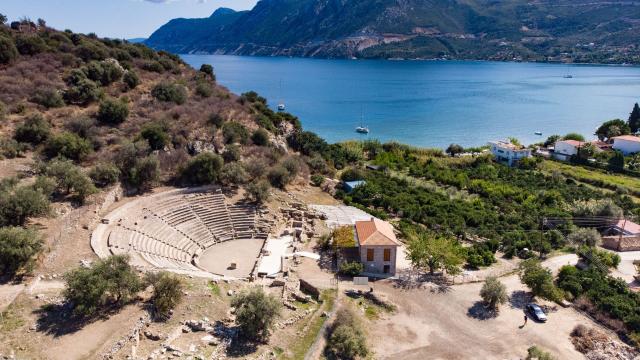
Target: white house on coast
505,151
627,144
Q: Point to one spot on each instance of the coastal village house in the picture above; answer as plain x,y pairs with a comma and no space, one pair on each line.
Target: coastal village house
377,245
627,144
564,149
624,235
505,151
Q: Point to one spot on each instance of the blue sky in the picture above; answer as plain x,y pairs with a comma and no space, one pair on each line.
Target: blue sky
114,18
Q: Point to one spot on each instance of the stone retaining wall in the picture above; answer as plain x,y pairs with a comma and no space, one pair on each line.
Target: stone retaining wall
621,243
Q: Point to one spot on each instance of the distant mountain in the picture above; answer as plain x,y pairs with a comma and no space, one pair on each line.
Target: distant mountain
540,30
137,40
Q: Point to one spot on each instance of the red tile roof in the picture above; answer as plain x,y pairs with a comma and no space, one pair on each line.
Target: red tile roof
628,226
375,232
627,138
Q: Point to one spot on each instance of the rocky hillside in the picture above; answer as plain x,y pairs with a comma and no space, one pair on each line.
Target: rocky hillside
122,111
542,30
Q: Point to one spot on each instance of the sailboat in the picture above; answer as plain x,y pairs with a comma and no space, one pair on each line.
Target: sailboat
362,129
281,106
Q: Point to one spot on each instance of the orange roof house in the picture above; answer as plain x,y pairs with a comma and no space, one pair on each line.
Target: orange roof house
378,246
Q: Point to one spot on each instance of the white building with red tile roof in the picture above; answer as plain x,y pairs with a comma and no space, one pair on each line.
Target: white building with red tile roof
378,246
627,144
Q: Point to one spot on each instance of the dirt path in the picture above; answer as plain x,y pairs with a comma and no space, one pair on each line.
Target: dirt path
94,338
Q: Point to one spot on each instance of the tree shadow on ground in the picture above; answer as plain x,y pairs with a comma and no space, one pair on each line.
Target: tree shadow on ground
327,260
410,279
11,279
519,299
480,311
59,320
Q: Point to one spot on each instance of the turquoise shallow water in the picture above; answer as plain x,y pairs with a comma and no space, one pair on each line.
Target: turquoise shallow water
434,103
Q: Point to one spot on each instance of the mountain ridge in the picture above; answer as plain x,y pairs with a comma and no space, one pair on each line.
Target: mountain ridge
568,30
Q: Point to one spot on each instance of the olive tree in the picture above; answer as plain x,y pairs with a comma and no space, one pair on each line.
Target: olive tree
494,292
110,281
256,312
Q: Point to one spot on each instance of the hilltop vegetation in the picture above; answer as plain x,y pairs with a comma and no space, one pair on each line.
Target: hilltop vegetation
571,30
93,112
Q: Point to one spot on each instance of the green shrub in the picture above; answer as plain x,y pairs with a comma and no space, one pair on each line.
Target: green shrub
231,153
89,50
216,120
82,92
153,66
8,50
170,92
346,337
30,44
104,72
352,174
69,145
156,135
317,180
70,179
19,249
167,293
104,174
107,281
145,173
34,130
131,79
535,353
17,204
113,111
482,254
258,191
207,69
279,177
353,268
204,89
48,98
202,169
256,312
233,174
234,132
83,126
260,137
10,148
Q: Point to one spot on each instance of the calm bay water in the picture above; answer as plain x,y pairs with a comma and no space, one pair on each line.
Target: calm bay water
434,103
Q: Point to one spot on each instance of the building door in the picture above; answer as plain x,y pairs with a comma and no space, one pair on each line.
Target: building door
370,254
386,269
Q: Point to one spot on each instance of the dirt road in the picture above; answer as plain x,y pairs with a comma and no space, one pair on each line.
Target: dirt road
449,323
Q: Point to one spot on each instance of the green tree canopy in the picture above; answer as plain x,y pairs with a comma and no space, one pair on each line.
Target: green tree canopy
204,168
19,248
612,128
634,119
539,279
107,281
256,312
432,252
573,136
167,292
493,292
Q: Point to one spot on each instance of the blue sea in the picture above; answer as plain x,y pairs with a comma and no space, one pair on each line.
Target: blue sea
434,103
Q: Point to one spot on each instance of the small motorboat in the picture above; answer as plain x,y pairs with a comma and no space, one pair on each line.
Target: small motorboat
281,107
568,76
538,133
362,130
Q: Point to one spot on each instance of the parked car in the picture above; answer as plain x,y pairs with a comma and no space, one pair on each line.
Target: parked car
536,312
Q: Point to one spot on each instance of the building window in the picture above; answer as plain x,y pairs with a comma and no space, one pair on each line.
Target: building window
370,254
387,254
